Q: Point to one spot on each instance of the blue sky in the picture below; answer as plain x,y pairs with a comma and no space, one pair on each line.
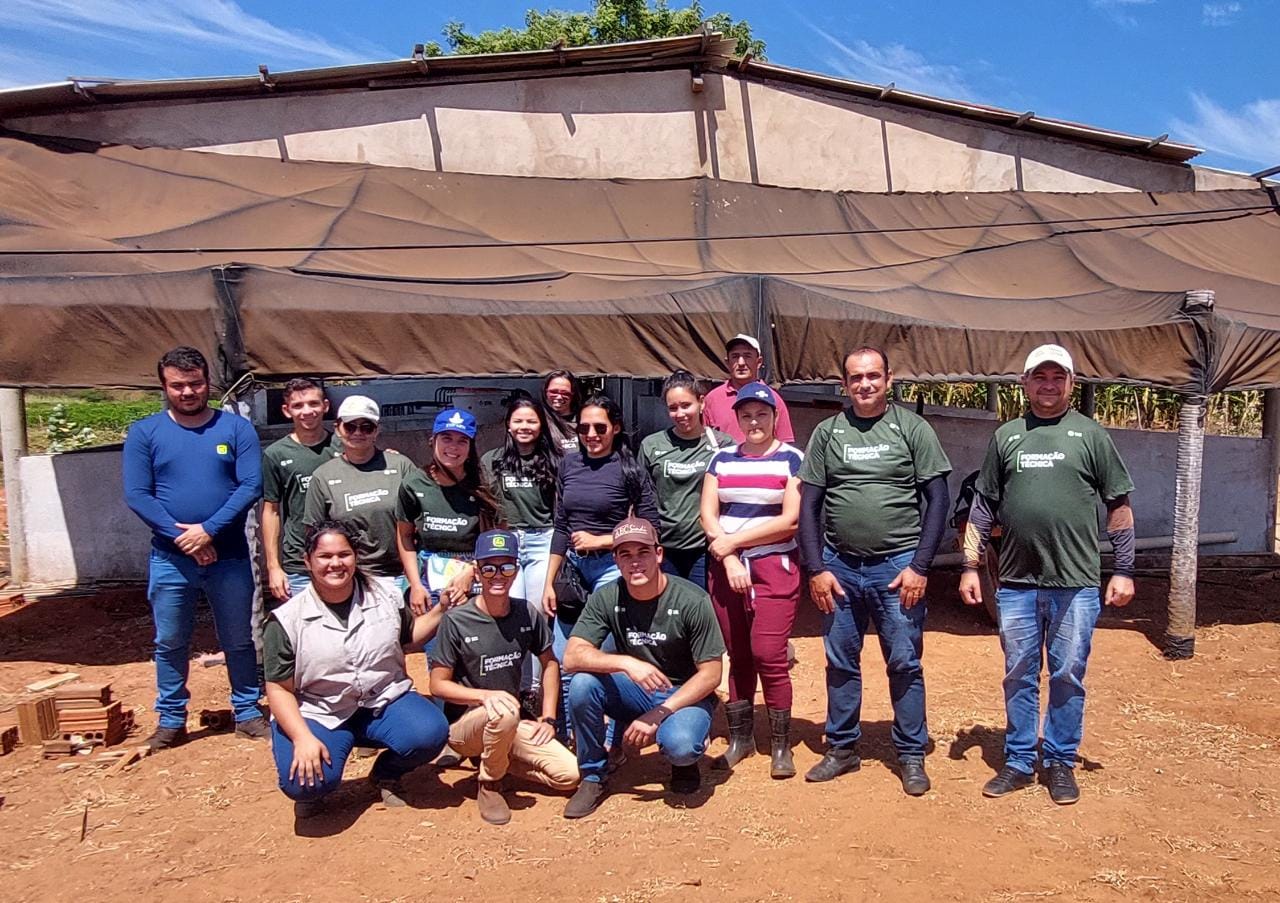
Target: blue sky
1207,73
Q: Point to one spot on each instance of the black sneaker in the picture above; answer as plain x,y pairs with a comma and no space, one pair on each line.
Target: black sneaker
1007,781
835,763
587,799
915,782
254,729
1063,789
166,738
686,778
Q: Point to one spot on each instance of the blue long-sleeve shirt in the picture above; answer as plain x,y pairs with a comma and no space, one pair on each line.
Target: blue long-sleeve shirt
209,475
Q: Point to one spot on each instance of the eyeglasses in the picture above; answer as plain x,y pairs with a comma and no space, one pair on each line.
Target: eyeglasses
586,429
492,570
362,426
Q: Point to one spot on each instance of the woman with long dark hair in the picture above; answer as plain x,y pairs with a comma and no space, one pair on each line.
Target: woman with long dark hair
597,487
320,708
440,511
562,399
521,475
676,459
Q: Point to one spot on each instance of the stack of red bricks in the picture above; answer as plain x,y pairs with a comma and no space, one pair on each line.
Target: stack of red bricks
87,711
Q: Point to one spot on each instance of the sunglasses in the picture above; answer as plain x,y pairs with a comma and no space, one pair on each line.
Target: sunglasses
362,426
493,570
586,429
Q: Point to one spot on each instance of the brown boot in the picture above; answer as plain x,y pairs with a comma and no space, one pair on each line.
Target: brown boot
493,805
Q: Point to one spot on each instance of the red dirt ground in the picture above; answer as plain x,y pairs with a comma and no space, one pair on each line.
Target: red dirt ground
1181,790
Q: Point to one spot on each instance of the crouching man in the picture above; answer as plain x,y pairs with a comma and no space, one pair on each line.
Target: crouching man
476,667
659,684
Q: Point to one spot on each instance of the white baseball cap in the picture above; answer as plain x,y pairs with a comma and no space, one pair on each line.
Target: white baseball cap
1049,354
358,407
743,337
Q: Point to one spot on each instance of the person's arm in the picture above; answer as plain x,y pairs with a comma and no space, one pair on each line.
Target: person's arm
775,529
977,535
309,753
407,549
709,508
140,485
559,520
277,579
1120,531
810,528
581,655
554,562
423,627
248,478
647,506
443,686
937,499
644,730
782,429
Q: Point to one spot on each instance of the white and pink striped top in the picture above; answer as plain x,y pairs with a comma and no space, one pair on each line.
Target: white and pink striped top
750,490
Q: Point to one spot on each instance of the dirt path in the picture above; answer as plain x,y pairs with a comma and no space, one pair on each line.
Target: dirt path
1180,781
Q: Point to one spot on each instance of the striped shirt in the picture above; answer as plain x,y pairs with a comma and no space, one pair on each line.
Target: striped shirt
750,490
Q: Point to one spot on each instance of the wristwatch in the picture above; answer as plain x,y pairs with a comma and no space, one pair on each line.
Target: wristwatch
550,719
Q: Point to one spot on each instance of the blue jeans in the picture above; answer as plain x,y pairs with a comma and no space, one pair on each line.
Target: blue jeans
682,737
597,569
298,583
410,730
173,588
865,582
1032,621
691,564
535,553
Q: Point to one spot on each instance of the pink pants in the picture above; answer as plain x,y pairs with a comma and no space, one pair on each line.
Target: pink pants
756,627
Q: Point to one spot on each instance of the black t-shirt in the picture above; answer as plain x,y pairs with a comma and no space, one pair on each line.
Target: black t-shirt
488,653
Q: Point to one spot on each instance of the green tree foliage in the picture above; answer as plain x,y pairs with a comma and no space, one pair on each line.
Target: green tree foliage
609,22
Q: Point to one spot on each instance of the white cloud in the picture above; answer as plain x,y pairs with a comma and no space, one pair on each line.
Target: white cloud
1121,11
1219,14
1250,134
160,29
879,65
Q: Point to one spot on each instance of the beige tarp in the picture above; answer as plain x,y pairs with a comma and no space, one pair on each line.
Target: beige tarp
348,270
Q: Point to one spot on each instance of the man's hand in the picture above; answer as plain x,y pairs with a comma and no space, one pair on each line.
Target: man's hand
418,599
823,588
584,542
910,587
192,537
722,547
278,582
646,676
308,754
970,587
644,730
498,704
542,733
1119,591
739,576
205,557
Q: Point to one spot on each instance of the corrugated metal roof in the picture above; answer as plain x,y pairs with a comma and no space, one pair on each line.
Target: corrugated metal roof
711,52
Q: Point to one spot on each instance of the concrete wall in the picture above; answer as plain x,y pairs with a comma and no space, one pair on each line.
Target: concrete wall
642,125
79,529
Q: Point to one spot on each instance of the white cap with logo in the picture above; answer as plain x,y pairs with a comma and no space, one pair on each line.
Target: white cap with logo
1049,354
358,407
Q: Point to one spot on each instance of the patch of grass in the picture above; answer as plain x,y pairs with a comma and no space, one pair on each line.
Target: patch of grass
107,412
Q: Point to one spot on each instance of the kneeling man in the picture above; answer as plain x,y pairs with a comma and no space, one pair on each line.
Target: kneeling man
476,666
660,683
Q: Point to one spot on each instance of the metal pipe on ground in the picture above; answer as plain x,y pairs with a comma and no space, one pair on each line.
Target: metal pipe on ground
13,444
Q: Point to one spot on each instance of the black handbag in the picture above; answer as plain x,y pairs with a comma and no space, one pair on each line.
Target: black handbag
571,592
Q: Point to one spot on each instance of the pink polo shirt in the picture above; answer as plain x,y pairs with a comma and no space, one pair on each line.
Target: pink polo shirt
718,414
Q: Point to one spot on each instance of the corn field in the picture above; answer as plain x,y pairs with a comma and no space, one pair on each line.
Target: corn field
1129,407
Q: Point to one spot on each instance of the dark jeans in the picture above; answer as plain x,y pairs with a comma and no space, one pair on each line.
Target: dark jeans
410,730
691,564
865,582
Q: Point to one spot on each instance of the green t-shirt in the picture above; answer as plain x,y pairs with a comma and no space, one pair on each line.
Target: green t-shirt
1046,476
488,653
677,467
364,497
447,518
525,504
287,466
675,631
279,660
872,470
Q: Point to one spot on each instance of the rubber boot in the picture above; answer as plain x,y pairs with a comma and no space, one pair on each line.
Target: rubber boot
780,765
742,734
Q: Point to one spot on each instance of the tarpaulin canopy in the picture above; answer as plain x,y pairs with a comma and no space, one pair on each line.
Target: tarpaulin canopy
362,271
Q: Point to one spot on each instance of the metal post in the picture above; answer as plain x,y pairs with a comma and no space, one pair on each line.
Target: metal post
13,439
993,398
1088,399
1180,634
1271,431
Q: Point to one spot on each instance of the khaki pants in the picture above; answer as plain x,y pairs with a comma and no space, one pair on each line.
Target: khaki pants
503,746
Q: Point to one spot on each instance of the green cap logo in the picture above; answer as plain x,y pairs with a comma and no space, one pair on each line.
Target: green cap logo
499,542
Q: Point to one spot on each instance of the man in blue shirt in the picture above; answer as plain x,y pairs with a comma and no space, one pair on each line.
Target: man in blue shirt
192,473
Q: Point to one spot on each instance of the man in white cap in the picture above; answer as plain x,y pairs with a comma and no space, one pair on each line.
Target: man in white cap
1041,479
742,359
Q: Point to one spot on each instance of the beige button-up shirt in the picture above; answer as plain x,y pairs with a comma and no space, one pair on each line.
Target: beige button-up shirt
338,669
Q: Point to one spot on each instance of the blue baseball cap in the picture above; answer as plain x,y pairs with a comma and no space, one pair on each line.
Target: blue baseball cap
457,420
756,392
497,544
